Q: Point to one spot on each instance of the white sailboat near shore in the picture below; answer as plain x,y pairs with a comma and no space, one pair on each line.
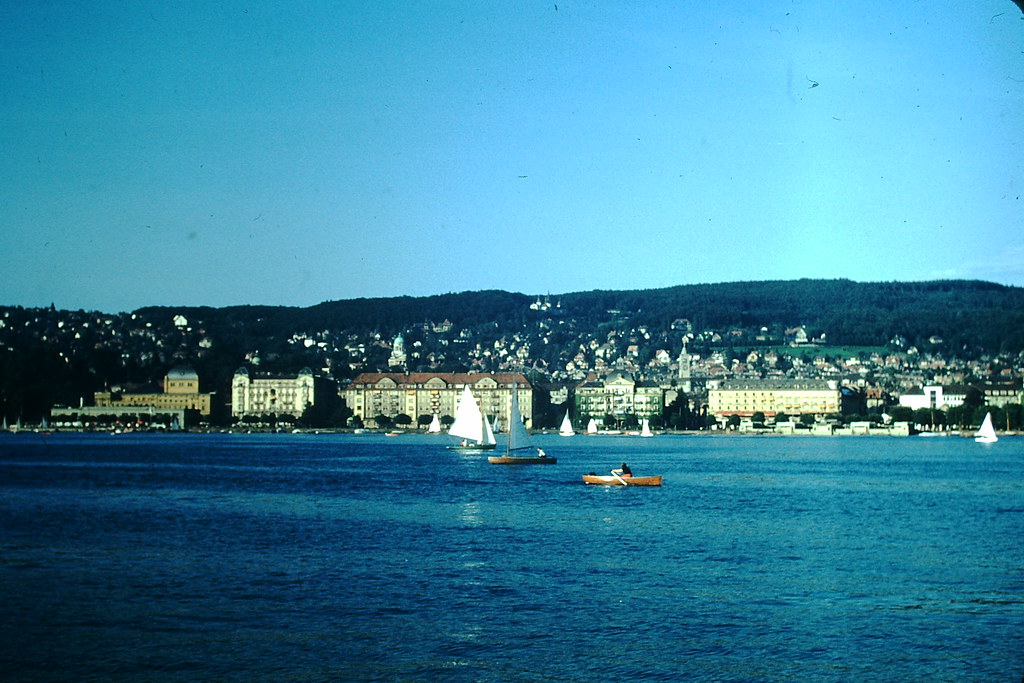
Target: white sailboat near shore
566,428
435,425
471,426
592,426
986,433
646,429
519,441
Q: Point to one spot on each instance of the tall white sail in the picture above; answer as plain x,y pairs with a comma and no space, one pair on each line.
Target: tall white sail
646,430
469,422
986,433
488,438
435,425
566,428
592,426
517,435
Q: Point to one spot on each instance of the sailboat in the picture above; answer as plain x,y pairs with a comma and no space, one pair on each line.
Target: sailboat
592,426
646,429
566,428
471,426
435,425
986,433
519,441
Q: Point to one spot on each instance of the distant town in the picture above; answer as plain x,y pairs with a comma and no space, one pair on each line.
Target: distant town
266,368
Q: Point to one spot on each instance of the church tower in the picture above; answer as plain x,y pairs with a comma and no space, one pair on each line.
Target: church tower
685,370
398,356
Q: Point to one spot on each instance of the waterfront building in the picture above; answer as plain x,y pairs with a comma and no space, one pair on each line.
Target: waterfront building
938,397
619,395
266,395
180,392
1002,394
390,394
744,397
934,397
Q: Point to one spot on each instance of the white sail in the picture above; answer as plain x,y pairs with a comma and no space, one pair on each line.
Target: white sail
469,422
566,428
986,433
592,426
646,429
517,435
435,425
488,439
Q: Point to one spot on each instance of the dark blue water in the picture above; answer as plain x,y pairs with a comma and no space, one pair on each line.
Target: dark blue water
313,557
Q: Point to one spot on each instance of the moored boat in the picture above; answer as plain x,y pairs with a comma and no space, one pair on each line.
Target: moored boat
614,480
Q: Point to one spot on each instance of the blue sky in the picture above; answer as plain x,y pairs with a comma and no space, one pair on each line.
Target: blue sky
228,153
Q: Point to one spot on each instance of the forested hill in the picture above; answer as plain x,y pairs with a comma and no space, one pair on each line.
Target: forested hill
970,317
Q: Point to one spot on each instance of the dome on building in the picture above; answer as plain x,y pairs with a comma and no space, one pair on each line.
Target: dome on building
182,373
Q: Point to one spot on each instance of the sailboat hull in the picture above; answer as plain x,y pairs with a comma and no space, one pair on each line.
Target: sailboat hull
475,448
522,460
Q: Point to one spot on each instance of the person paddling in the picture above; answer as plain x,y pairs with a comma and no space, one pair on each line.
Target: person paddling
623,471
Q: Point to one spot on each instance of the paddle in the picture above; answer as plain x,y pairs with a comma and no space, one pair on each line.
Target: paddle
615,473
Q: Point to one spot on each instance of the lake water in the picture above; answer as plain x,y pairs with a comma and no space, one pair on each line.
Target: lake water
362,557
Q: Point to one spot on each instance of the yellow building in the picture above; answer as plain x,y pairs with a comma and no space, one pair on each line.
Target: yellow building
774,396
181,392
372,394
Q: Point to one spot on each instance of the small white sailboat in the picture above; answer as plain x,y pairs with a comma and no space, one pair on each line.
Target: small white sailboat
646,429
986,433
435,425
566,428
471,426
592,426
519,441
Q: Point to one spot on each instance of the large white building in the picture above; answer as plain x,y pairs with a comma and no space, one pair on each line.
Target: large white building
934,397
271,395
620,395
416,394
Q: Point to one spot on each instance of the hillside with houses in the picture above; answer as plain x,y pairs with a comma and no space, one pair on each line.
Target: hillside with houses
879,341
